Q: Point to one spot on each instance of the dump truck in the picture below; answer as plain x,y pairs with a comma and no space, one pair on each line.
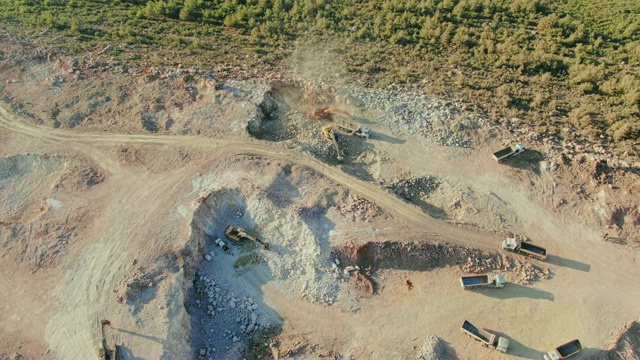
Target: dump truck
486,338
477,281
564,351
238,235
524,248
508,152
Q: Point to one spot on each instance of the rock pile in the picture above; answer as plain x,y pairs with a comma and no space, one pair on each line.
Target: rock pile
413,188
426,256
241,316
360,208
433,348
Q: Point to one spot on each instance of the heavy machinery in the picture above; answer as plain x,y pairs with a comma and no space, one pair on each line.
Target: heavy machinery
340,125
106,353
524,248
327,130
238,235
477,281
486,338
222,245
508,152
564,351
327,113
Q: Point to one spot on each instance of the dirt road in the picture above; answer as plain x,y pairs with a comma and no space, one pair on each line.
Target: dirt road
134,198
218,149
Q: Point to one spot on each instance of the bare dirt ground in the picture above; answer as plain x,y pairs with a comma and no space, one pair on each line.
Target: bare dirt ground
115,182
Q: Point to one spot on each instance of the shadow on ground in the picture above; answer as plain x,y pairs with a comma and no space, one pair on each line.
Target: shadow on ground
573,264
124,352
512,291
148,337
386,138
518,349
528,160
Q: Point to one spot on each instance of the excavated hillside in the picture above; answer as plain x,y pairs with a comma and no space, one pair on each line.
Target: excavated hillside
115,187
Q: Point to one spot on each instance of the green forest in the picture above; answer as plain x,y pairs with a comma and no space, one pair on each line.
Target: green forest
569,68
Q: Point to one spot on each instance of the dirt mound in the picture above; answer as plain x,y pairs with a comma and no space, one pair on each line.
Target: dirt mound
627,343
434,348
416,190
81,174
426,256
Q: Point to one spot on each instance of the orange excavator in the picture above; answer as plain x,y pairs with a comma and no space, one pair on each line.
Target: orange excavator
340,124
325,113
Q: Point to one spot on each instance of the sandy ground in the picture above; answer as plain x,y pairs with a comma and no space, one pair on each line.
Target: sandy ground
104,219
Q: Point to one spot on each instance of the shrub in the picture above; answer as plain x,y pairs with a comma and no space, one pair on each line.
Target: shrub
623,130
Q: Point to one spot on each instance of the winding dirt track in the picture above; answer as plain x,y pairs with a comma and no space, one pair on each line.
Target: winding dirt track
593,277
224,148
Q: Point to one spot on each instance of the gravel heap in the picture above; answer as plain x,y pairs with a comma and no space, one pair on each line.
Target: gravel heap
524,272
360,208
427,256
413,188
433,348
626,342
227,307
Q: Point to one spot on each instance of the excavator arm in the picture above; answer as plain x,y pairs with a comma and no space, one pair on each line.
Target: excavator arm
326,112
330,135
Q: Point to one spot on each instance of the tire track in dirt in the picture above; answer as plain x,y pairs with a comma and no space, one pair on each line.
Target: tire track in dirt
87,281
223,148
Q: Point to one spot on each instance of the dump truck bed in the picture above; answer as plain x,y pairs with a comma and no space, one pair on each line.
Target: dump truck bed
570,348
481,334
475,280
502,153
533,248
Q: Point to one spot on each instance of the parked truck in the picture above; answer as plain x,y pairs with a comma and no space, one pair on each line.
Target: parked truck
564,351
508,152
222,245
524,248
485,280
486,338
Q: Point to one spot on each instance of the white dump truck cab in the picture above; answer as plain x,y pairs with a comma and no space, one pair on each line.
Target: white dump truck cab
499,282
509,244
503,344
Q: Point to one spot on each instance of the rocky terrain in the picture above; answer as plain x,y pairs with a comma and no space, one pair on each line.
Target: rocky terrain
115,183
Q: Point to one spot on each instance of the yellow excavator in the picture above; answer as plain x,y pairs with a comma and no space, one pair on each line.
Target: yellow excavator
238,235
106,352
327,130
340,125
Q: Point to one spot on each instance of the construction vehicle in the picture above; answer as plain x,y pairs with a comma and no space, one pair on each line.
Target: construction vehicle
238,235
222,245
477,281
105,352
342,125
486,338
330,135
564,351
524,248
327,113
508,152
